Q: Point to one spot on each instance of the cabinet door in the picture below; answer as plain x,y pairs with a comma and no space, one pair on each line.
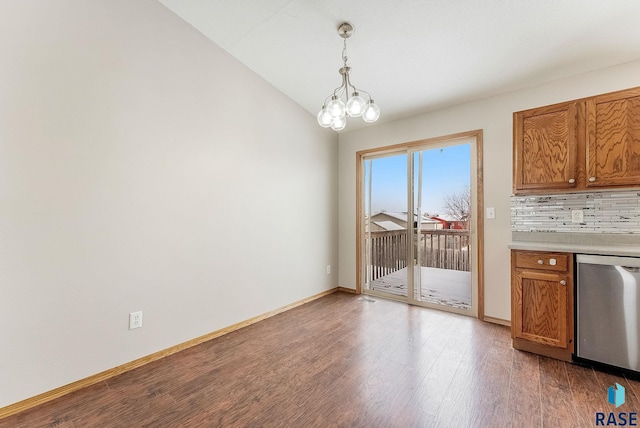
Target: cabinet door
540,307
613,139
545,149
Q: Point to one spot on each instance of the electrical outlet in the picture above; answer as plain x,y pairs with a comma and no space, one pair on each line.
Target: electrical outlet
328,269
577,216
135,320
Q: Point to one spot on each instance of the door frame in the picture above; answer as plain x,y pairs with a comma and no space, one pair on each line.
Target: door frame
478,213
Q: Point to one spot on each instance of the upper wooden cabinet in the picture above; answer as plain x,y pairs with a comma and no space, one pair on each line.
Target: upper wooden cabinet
613,139
545,148
578,145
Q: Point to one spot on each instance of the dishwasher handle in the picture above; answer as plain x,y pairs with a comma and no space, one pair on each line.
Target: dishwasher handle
627,261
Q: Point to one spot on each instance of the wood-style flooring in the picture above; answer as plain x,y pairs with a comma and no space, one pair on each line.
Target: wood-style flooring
346,361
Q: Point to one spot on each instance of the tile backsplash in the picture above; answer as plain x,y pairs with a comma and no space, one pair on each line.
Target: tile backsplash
603,212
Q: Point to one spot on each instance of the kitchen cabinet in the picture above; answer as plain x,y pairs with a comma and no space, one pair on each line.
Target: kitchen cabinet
545,148
578,145
613,139
542,303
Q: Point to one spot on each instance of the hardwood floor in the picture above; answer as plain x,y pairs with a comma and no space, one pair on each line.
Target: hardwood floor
350,361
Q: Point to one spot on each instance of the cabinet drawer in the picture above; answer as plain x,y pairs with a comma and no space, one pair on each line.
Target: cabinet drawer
542,260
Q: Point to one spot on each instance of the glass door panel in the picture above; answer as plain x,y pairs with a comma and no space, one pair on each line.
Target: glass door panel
385,225
441,183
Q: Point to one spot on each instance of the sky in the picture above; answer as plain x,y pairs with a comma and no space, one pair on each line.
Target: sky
444,171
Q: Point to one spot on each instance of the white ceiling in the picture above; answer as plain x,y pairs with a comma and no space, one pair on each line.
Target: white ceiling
415,56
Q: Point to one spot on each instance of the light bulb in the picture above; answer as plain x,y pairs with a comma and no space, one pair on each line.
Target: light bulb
336,107
371,112
339,123
324,118
356,105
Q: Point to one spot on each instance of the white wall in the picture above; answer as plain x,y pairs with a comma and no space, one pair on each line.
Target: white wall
494,116
143,168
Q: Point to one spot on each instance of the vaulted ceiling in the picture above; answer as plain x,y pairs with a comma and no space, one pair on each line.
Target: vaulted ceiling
415,56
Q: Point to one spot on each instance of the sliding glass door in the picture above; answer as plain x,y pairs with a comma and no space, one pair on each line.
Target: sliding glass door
385,224
441,183
417,236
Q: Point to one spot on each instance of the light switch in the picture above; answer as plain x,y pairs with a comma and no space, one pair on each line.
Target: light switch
491,212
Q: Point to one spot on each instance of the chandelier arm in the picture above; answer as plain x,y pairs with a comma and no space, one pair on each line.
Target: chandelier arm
333,94
365,92
349,84
339,92
342,86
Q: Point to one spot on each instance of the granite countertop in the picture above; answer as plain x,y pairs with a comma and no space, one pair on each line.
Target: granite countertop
585,243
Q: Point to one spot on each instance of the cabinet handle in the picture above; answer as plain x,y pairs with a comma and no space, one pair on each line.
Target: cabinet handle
592,179
540,262
563,282
572,180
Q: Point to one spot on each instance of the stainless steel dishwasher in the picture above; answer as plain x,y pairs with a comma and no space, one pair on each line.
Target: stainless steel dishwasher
608,310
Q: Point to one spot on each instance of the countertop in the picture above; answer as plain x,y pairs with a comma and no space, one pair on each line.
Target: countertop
583,243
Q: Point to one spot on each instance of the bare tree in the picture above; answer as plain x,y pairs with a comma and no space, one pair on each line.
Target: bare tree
458,204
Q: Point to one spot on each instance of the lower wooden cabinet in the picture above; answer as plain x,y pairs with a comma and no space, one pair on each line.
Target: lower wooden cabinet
542,303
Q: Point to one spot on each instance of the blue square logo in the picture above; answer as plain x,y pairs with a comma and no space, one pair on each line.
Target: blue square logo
615,395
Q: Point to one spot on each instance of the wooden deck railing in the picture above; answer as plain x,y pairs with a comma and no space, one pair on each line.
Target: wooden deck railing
388,252
444,249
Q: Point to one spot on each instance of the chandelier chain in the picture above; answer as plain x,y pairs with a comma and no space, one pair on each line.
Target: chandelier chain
345,58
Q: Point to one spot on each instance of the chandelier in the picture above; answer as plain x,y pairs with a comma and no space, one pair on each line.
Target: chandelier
340,105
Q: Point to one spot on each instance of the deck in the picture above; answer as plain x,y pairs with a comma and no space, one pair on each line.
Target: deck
440,286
